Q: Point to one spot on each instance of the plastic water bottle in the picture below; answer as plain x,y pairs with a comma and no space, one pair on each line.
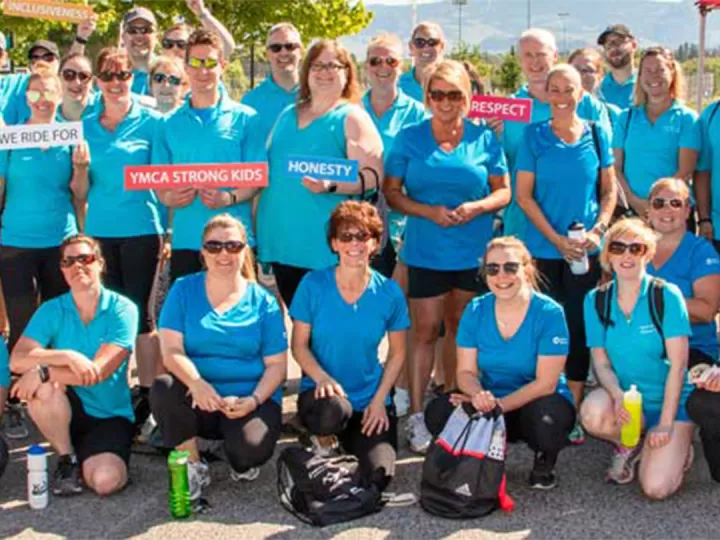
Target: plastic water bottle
576,231
179,488
37,477
630,432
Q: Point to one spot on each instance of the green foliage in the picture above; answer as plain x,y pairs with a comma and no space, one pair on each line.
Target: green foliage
509,73
465,52
235,80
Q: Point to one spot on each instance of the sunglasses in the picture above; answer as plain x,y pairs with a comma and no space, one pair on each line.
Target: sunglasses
36,95
107,76
139,30
421,43
209,63
636,248
47,57
453,95
508,268
277,47
317,67
170,43
347,237
375,61
69,75
84,259
160,78
658,203
232,246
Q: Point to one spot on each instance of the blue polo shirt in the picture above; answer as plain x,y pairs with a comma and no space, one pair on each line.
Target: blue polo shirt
589,108
13,103
506,365
710,158
652,150
634,345
4,365
435,177
228,348
114,212
566,180
411,87
620,95
141,83
345,338
693,259
269,100
93,105
57,325
224,133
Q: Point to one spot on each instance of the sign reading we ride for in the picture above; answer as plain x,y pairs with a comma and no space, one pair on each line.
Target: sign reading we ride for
202,175
516,109
48,9
41,135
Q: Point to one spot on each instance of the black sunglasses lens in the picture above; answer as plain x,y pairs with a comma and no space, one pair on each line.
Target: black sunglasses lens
511,268
492,269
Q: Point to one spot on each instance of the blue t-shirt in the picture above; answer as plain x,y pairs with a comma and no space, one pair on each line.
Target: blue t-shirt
229,348
141,83
620,95
434,177
411,87
13,103
57,325
269,100
694,259
345,337
710,158
652,150
566,180
634,346
506,365
4,365
226,135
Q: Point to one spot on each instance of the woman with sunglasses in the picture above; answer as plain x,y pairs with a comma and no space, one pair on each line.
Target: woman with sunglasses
169,83
449,176
658,137
427,47
174,40
36,190
630,350
326,122
512,344
73,357
340,315
79,99
224,346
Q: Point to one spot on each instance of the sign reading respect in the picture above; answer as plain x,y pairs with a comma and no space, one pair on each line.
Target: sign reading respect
40,135
218,175
516,109
47,9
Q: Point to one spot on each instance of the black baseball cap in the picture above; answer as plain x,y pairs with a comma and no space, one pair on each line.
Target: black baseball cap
44,44
619,29
139,13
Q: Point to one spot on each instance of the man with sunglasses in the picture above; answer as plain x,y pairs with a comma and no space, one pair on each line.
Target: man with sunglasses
139,37
619,46
427,45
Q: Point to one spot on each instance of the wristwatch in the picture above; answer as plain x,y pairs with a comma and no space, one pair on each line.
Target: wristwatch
601,228
704,220
43,373
233,198
81,41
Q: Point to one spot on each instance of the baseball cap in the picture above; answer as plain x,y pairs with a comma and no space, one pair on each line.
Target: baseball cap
44,44
139,13
3,42
619,29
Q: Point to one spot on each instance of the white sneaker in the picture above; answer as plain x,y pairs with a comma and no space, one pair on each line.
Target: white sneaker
247,476
418,437
401,402
198,478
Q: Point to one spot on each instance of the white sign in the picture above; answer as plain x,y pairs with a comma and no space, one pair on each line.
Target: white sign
41,135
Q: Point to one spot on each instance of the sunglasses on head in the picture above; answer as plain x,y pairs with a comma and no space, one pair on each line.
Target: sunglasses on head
139,30
47,57
170,43
36,95
618,248
452,95
347,237
85,259
107,76
375,61
508,268
208,63
215,246
160,78
277,47
69,75
658,203
421,43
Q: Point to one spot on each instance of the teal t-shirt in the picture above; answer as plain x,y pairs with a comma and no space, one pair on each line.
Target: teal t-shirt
709,160
411,87
4,365
269,100
620,95
13,103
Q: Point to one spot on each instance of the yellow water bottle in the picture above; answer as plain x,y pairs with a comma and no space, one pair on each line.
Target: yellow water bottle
630,432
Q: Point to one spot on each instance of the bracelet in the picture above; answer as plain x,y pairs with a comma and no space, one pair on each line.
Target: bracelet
332,188
204,15
43,373
257,400
81,41
704,220
233,198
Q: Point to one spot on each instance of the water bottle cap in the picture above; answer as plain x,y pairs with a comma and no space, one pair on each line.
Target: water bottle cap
36,450
576,226
633,388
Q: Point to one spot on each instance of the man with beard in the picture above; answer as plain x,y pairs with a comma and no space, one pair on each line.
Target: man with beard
139,37
619,45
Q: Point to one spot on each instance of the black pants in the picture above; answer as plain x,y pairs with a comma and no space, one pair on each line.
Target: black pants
288,279
335,416
569,290
249,441
544,424
130,267
703,407
385,261
29,276
184,262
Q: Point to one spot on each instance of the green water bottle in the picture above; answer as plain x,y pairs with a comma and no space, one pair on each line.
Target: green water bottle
179,488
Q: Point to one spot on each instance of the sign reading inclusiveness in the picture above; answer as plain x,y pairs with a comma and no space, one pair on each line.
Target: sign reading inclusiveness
47,9
516,109
337,170
204,175
40,135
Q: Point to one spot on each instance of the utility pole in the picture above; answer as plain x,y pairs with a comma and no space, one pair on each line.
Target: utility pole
413,13
529,13
563,16
460,4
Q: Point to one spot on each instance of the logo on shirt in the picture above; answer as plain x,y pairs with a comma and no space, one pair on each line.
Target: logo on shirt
557,340
647,329
711,261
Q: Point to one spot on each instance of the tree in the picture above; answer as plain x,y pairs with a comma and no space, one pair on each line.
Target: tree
509,73
464,52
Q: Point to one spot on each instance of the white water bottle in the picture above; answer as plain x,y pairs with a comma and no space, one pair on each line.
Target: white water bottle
576,231
37,477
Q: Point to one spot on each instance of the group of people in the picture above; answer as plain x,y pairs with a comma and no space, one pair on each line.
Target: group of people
471,276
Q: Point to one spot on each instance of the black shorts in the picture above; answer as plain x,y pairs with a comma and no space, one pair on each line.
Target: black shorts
184,262
426,283
91,436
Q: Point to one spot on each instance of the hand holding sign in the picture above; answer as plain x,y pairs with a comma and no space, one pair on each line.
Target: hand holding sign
81,156
214,198
501,108
177,198
87,28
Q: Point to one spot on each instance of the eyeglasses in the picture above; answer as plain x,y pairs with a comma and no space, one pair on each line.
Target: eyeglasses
85,259
197,63
317,67
453,95
277,47
586,71
107,76
636,248
36,95
160,78
170,43
508,268
421,43
347,237
615,43
215,246
69,75
375,61
139,30
47,57
658,203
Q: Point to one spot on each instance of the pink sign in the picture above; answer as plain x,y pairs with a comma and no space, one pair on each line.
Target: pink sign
234,175
519,110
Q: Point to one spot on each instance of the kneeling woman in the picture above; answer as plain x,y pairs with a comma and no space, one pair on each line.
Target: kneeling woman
341,314
512,346
74,359
633,347
224,345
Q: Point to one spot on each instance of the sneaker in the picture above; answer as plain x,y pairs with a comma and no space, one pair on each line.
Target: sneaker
543,475
247,476
66,479
198,478
577,435
140,397
401,401
622,466
418,435
324,446
15,422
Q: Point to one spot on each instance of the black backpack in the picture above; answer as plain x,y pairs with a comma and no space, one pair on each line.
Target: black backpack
324,491
656,301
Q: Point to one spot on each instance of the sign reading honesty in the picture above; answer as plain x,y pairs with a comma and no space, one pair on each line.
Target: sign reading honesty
516,109
337,170
40,135
220,175
47,9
